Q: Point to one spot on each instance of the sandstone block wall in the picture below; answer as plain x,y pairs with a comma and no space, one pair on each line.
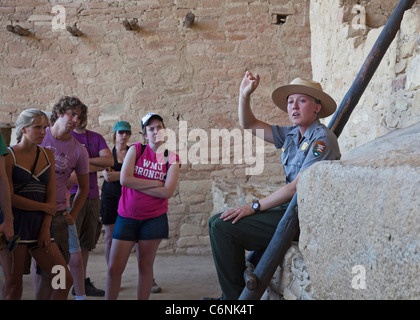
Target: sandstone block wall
391,99
188,75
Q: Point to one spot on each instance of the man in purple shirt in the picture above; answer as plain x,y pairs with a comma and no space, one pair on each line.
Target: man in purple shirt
88,222
69,156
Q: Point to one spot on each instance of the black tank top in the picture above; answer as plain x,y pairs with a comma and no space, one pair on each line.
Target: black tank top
113,188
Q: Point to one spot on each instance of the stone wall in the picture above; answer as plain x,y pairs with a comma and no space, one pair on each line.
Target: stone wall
291,281
190,76
392,98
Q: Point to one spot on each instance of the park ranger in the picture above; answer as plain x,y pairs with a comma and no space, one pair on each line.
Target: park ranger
252,226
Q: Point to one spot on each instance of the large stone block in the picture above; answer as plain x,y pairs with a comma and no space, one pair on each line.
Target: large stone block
360,220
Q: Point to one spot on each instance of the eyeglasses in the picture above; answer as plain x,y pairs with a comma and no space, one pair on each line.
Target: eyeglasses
121,132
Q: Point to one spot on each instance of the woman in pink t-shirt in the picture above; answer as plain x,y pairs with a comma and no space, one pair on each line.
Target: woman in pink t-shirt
148,178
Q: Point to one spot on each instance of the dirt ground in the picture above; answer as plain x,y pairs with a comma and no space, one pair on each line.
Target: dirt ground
182,277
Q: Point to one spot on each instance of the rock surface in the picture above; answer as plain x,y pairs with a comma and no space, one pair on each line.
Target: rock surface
360,220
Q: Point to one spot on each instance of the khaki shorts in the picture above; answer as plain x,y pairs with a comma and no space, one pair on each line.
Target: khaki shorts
61,233
88,223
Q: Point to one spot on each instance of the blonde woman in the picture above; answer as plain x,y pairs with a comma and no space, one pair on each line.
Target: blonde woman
31,173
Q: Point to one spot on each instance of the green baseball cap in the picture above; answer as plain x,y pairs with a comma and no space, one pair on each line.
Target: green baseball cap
122,126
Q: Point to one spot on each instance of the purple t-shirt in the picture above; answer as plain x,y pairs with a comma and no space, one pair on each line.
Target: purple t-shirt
93,143
69,155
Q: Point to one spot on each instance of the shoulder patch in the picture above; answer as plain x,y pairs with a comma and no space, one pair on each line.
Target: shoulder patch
319,148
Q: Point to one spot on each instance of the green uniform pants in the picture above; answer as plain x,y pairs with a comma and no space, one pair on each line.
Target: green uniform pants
229,242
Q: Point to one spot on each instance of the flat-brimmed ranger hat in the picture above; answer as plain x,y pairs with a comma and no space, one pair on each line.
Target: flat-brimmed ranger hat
308,87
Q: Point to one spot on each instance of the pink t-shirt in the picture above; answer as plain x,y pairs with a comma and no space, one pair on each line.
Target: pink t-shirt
69,155
151,166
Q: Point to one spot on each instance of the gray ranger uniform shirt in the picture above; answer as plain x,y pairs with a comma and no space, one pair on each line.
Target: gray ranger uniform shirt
318,143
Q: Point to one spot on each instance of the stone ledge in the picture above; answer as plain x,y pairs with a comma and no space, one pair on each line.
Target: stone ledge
360,221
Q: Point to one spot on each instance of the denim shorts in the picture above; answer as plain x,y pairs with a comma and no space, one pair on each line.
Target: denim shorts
134,230
74,245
